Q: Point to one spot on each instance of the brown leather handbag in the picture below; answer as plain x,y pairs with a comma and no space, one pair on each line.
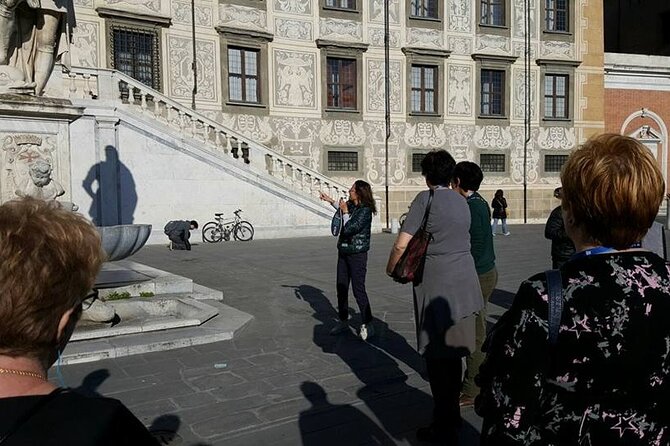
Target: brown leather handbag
410,265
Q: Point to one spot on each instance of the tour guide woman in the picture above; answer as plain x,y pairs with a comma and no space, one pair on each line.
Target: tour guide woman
49,258
352,255
605,379
446,301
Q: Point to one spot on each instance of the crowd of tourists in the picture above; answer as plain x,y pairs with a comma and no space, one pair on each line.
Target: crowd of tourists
543,374
582,356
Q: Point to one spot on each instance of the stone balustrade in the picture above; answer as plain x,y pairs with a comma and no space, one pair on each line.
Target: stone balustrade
102,84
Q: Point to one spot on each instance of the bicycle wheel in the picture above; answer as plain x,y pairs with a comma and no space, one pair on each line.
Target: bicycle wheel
243,231
211,233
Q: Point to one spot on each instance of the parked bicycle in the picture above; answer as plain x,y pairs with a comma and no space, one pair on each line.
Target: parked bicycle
222,229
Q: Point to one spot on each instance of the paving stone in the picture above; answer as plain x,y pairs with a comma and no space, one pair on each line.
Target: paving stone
215,381
376,389
286,379
241,390
194,400
224,423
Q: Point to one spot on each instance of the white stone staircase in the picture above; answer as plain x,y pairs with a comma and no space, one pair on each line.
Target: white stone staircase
142,106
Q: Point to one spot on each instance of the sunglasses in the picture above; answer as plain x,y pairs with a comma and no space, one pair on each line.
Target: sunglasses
87,302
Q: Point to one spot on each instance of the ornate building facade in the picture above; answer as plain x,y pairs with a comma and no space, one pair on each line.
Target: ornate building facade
306,78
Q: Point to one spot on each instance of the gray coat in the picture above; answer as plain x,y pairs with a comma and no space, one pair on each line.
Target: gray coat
450,292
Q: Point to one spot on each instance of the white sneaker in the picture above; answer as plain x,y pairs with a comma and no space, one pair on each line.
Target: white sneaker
366,331
494,234
340,327
507,233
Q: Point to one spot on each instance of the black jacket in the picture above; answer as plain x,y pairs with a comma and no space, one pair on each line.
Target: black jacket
355,235
562,247
499,206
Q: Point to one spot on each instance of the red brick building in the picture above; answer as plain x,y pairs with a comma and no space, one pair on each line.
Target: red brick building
637,101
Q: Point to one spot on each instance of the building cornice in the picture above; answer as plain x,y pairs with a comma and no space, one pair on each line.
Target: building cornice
230,31
494,57
559,62
355,46
430,52
114,13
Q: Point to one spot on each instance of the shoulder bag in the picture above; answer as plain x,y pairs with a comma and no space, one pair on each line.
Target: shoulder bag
410,265
555,291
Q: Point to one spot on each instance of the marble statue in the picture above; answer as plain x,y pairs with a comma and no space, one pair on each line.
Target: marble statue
34,34
40,184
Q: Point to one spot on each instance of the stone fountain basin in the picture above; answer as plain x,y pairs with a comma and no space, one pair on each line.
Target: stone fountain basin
123,241
145,314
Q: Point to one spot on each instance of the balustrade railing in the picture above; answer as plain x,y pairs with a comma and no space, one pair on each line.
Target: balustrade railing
110,85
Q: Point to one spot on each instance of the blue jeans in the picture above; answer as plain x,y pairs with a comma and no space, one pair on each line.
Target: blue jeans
352,268
494,226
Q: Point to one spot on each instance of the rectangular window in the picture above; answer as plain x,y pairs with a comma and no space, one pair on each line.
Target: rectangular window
424,89
416,162
492,162
556,96
424,9
341,83
342,161
493,12
492,93
556,15
243,75
135,53
554,163
341,4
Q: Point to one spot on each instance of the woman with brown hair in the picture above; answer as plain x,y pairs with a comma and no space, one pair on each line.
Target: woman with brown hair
49,258
597,372
353,245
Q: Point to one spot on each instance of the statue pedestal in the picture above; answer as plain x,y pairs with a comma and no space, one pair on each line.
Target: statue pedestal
31,129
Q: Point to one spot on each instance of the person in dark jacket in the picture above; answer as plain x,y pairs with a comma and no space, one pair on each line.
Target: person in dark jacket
179,231
562,247
467,178
499,205
353,245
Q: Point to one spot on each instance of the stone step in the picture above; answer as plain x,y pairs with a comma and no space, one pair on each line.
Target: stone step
224,326
154,281
145,314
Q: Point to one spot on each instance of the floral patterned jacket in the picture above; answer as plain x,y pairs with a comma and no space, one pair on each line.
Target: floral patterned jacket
607,379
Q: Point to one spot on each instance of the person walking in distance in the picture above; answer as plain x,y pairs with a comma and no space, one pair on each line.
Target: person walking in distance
353,245
499,205
562,248
466,180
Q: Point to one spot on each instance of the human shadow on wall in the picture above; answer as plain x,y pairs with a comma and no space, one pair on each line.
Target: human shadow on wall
326,424
111,186
399,407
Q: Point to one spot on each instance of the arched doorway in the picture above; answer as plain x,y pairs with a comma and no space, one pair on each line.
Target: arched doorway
653,134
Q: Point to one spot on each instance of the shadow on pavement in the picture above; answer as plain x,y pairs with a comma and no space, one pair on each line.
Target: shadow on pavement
399,407
164,428
90,384
326,424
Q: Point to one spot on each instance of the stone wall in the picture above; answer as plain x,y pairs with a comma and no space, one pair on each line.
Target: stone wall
292,118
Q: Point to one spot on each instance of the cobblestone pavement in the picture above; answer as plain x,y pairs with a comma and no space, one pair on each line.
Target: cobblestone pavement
283,380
